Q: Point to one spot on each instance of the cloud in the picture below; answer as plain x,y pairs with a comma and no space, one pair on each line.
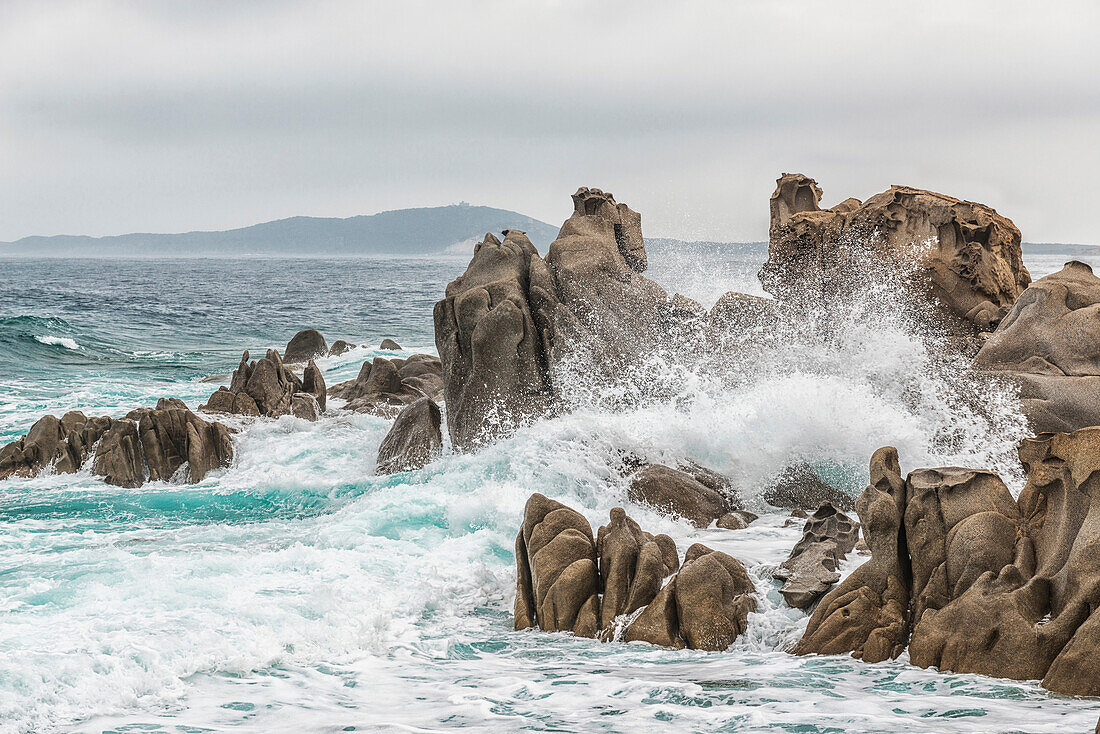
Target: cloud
141,116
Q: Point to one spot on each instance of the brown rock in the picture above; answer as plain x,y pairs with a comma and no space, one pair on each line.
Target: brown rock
313,382
811,569
305,345
118,457
714,596
303,405
633,565
414,440
390,345
677,493
339,347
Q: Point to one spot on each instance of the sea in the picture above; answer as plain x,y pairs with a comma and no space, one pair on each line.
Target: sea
299,591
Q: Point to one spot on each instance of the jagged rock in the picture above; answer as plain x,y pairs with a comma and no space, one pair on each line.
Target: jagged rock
118,456
557,581
799,486
384,386
677,493
967,256
304,346
493,354
519,335
1048,345
633,564
303,405
265,387
414,440
866,614
172,435
339,347
811,569
313,382
390,345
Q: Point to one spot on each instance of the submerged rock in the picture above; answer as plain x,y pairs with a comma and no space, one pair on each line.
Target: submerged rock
414,440
1049,347
967,257
678,493
304,346
390,345
339,347
799,487
811,569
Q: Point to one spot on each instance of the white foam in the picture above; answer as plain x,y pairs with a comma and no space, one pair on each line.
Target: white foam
60,341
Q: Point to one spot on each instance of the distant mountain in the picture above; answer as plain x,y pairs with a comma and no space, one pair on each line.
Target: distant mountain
1054,248
423,231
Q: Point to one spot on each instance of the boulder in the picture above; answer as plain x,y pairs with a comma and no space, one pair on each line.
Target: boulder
414,440
313,382
799,487
172,436
1049,347
303,405
390,345
633,565
867,614
266,387
677,493
964,256
118,456
339,347
557,581
304,346
385,386
811,569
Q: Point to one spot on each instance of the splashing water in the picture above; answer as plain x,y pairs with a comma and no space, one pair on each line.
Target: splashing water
298,591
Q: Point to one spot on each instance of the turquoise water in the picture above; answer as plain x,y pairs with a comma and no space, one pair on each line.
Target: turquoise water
298,591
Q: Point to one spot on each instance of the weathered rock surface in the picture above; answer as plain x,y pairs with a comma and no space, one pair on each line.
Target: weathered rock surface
414,440
678,493
1050,347
390,345
339,347
304,346
867,613
967,256
267,387
799,487
982,583
385,386
149,443
565,582
557,579
517,333
811,569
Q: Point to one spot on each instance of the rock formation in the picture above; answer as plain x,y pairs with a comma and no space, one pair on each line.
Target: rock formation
267,387
339,347
148,444
1049,346
799,487
414,440
385,386
390,345
975,581
516,332
811,569
966,255
304,346
564,583
678,493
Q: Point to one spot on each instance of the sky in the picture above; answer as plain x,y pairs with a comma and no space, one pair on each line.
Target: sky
166,117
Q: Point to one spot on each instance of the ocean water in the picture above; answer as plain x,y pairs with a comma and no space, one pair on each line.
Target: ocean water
297,591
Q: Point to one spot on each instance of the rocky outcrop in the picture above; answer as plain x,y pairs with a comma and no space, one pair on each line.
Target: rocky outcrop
979,582
678,493
705,607
517,333
267,387
148,444
339,347
414,440
390,345
1049,347
811,569
557,580
966,256
304,346
799,486
615,588
385,386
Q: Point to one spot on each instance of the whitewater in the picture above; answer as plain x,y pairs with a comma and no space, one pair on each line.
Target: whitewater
299,591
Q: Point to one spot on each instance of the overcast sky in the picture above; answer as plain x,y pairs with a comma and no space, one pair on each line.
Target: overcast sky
148,116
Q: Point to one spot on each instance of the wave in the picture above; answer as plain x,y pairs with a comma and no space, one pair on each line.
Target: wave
60,341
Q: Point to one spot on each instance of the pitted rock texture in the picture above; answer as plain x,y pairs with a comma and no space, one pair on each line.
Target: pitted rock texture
811,569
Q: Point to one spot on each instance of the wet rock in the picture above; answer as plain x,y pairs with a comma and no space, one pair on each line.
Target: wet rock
390,345
967,257
414,440
118,456
313,382
303,405
384,386
677,493
867,614
304,346
633,564
557,578
799,487
1048,346
811,569
172,436
339,347
265,387
714,596
659,623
